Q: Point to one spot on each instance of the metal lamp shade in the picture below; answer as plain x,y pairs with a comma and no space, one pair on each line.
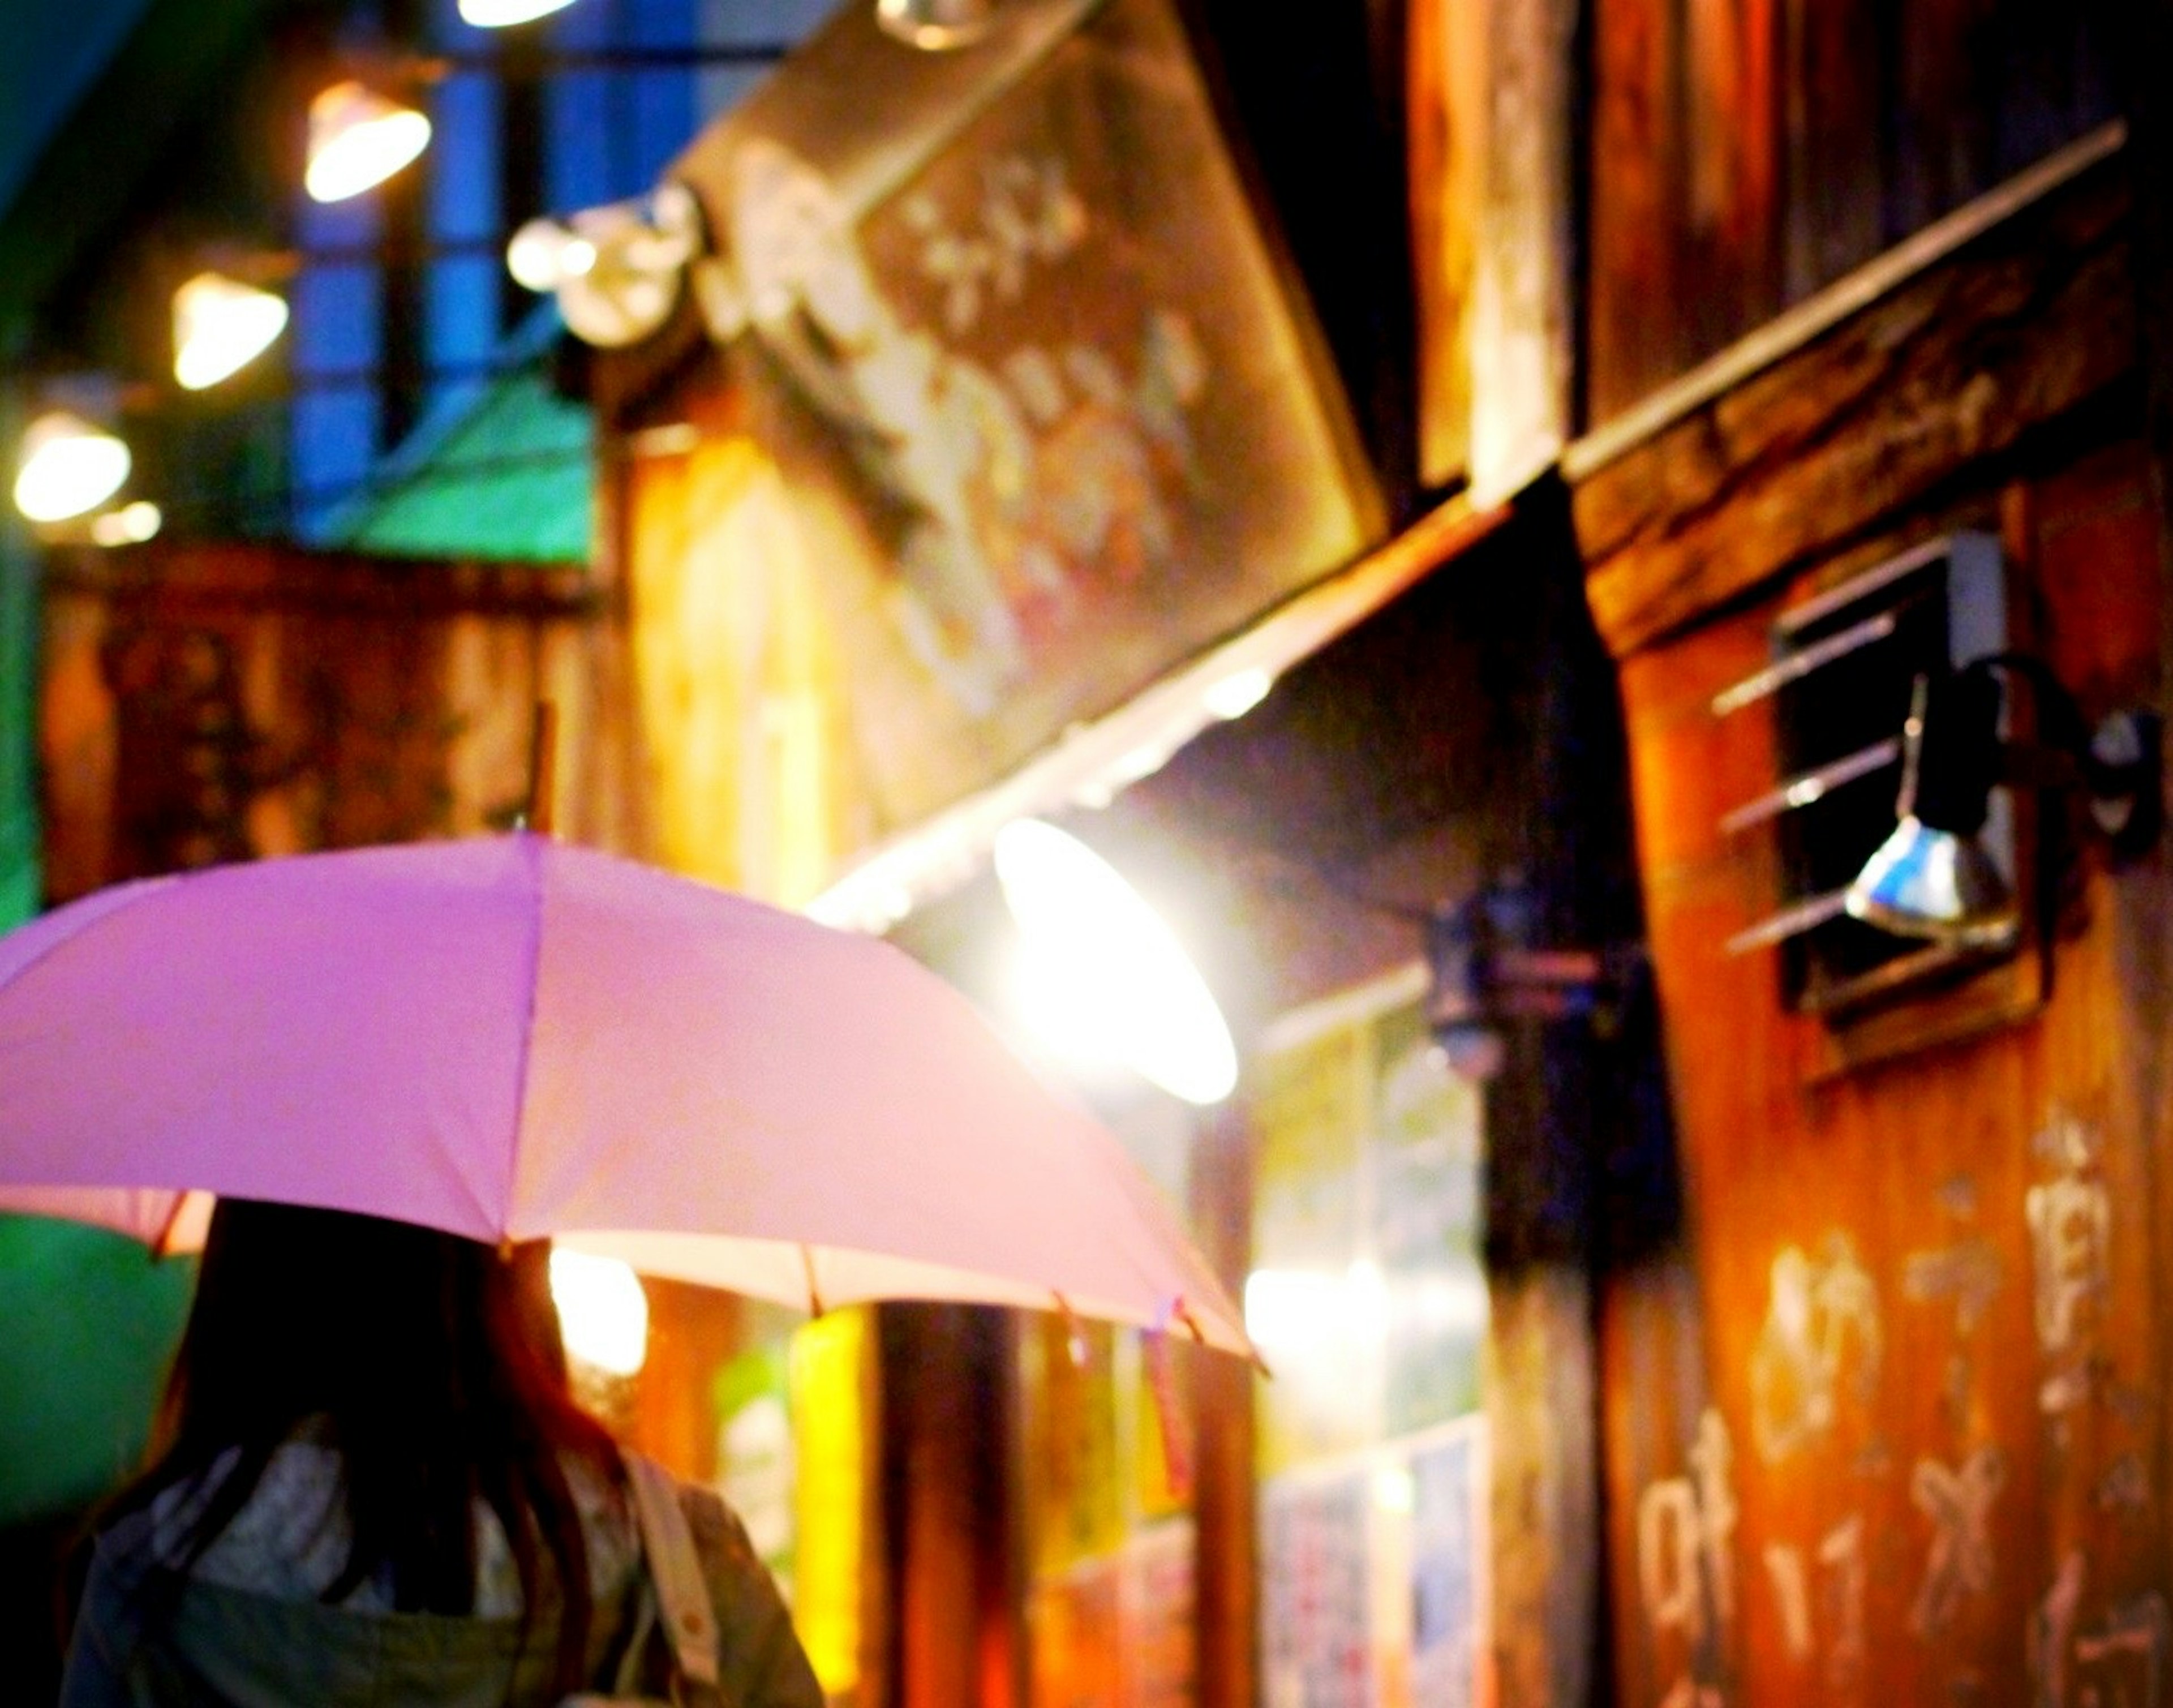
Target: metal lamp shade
1935,885
357,139
936,24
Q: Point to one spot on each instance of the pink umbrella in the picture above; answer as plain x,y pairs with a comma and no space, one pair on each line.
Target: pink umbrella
511,1038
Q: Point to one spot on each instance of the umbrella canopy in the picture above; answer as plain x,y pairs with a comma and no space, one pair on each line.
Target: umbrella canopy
509,1037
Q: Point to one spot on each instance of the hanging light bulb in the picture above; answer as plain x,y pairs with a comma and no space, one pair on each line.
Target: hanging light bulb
543,253
132,525
1102,973
935,25
618,270
498,14
221,326
357,139
68,467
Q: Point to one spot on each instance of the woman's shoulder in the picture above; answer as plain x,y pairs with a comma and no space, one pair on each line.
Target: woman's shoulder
290,1539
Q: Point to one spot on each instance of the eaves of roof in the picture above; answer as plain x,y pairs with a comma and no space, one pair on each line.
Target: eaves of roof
83,185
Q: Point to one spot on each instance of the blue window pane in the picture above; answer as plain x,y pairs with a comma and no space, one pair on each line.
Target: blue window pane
762,21
335,439
578,141
461,312
336,316
464,159
720,88
663,121
659,23
590,23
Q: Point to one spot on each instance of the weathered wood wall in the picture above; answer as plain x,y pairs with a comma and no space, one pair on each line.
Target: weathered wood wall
217,701
1889,1422
1742,154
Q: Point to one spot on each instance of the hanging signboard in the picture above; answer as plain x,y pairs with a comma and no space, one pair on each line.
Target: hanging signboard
1046,416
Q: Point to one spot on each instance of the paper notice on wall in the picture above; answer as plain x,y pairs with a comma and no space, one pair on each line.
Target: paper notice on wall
1311,1302
1318,1637
1447,1474
1156,1605
1425,1160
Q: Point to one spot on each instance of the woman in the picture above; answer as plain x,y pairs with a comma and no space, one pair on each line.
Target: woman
371,1485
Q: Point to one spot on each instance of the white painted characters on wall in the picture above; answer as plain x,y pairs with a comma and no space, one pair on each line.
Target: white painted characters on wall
1686,1562
2070,1218
1822,1342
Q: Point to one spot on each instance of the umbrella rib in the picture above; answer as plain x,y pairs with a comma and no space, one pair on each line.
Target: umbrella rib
814,1293
163,1246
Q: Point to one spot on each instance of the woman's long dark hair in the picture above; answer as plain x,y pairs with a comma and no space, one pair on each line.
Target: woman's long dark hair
432,1367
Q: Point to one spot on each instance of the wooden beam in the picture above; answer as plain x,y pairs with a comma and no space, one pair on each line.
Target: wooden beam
263,576
1785,334
2032,317
1521,310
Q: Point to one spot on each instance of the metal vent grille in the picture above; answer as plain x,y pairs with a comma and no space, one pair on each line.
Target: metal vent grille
1844,666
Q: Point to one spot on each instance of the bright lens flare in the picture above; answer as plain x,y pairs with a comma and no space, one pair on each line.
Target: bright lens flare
497,14
602,1312
357,139
68,467
1101,973
221,326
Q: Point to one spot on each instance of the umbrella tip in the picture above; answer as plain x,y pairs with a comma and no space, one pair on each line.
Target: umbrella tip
542,770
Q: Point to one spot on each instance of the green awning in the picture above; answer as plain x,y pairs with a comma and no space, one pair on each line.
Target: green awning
508,478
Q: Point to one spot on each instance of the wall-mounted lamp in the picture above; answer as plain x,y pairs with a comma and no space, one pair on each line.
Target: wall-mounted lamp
68,468
936,25
221,326
1487,970
357,139
1932,878
618,269
128,525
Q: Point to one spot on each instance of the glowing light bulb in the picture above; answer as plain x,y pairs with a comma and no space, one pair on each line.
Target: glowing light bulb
497,14
68,468
602,1312
537,255
221,326
1101,971
132,525
936,25
357,139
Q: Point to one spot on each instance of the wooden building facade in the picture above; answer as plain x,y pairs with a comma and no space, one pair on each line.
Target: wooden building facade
1821,1350
1540,394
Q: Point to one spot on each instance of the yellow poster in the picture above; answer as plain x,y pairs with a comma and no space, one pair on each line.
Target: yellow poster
830,1425
1309,1296
1075,1508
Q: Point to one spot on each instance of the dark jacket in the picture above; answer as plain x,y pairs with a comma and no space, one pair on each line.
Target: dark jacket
145,1639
